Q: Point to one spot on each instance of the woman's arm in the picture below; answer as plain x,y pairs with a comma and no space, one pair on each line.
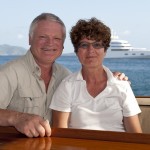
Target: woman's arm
60,119
132,124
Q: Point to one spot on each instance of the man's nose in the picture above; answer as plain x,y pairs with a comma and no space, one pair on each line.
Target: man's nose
50,41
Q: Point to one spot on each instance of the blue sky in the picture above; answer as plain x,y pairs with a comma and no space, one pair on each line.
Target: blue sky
130,19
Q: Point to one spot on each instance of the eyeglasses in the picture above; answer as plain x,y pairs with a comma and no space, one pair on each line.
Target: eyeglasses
86,45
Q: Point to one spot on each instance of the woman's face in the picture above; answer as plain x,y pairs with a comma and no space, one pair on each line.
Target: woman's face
90,53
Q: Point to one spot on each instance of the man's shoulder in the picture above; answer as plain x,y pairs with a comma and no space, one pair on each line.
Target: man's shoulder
18,62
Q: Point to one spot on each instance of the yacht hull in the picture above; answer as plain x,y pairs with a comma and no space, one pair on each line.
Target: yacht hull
129,54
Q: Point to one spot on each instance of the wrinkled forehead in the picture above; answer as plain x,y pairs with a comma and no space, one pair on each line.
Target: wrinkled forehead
48,27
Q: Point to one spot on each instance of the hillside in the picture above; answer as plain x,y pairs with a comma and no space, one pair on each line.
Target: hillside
11,50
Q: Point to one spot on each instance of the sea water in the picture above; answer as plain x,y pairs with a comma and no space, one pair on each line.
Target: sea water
137,70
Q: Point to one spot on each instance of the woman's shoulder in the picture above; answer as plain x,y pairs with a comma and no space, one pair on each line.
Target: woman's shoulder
73,77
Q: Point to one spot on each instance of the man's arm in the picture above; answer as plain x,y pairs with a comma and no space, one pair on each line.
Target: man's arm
120,76
28,124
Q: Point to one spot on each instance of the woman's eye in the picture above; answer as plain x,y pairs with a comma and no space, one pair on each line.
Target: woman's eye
97,45
83,45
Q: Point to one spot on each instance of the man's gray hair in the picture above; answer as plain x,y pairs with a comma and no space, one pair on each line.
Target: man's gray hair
46,16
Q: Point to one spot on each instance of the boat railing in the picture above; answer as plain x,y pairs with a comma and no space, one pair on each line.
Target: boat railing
144,116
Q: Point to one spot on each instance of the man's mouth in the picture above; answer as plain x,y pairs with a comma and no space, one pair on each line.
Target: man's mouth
48,49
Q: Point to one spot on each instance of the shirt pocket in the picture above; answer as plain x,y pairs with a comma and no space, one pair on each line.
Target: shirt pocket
30,92
31,100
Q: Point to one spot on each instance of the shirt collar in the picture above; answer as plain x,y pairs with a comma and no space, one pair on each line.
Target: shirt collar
110,76
79,75
32,64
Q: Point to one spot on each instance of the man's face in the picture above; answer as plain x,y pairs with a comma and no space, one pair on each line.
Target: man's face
47,42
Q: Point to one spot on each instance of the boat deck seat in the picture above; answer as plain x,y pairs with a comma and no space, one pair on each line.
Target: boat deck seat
144,117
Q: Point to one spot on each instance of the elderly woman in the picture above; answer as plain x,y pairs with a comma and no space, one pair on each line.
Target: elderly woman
93,98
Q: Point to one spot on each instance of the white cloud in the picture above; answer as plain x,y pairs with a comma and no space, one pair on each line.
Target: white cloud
20,36
126,32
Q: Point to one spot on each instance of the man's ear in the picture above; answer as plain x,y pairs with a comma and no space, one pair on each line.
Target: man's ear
30,39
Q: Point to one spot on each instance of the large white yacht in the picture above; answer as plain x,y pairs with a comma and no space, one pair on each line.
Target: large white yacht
122,49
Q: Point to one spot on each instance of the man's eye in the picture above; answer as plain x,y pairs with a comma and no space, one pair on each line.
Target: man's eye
42,37
57,39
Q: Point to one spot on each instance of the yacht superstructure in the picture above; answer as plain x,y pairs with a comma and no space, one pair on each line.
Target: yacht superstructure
122,49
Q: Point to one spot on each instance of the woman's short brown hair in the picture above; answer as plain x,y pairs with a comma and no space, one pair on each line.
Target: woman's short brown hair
92,29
